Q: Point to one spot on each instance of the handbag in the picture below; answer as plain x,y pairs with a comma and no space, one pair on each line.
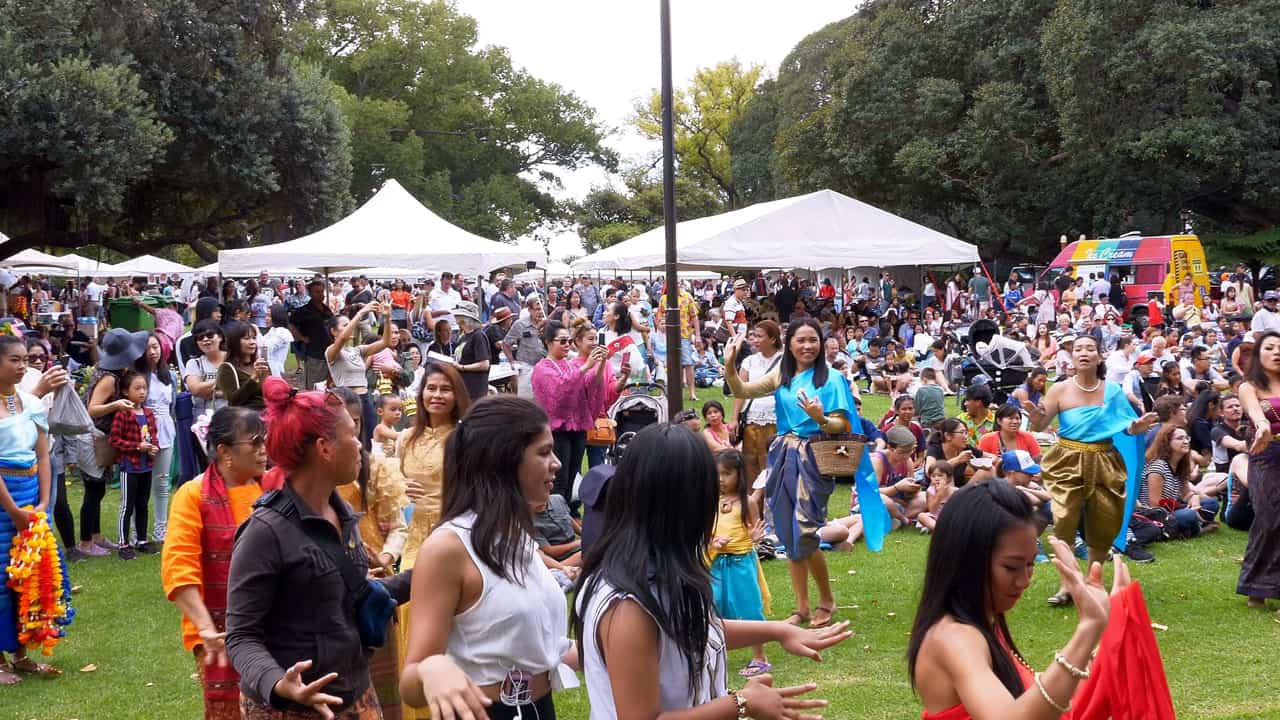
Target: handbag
740,431
603,434
68,416
838,455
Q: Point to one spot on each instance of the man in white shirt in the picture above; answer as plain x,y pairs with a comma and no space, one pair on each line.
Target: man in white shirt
735,311
444,299
1267,318
93,294
1101,288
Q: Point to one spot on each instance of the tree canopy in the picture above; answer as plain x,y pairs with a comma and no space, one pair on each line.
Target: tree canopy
138,125
477,139
1010,122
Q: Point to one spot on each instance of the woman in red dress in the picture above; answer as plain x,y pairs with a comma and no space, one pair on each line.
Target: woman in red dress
962,660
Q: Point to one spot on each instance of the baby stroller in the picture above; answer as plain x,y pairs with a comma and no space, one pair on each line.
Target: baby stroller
1004,363
639,406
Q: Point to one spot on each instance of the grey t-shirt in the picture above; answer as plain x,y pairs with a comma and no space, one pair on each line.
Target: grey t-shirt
554,525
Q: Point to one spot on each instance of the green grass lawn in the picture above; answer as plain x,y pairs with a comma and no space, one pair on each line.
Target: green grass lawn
1220,657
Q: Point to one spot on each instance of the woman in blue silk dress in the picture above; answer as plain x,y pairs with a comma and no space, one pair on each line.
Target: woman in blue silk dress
1093,470
24,483
809,401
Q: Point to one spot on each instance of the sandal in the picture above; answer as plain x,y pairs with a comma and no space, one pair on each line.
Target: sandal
817,613
8,676
1256,604
31,667
1061,599
797,619
754,668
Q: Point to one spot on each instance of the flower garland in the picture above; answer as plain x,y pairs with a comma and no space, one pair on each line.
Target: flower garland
35,575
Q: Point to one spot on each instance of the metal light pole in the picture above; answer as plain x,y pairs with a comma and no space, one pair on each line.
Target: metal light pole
675,389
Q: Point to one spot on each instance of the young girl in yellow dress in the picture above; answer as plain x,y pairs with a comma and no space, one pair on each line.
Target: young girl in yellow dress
738,586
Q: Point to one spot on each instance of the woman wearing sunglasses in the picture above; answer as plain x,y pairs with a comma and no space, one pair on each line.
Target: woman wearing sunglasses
572,395
41,378
203,518
201,372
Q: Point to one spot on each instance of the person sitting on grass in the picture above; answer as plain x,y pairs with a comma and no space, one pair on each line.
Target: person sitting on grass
1168,482
896,473
1022,471
715,432
977,416
941,487
903,415
930,400
556,531
1008,435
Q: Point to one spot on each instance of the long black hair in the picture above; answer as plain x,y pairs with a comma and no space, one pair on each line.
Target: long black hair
482,461
787,368
957,579
658,518
162,368
1199,409
353,403
1257,377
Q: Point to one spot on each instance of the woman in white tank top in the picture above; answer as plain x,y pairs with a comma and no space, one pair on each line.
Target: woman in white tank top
648,635
488,625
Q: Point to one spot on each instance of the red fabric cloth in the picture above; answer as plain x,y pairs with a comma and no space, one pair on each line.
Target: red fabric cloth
1127,680
217,537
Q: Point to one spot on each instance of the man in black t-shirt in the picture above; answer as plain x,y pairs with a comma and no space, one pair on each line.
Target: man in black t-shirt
359,296
307,323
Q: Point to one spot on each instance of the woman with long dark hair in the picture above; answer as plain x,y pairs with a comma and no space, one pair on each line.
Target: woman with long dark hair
240,376
197,548
648,635
348,363
962,659
1205,410
1260,572
809,401
486,574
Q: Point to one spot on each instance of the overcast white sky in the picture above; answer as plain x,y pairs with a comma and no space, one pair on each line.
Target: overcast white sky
607,51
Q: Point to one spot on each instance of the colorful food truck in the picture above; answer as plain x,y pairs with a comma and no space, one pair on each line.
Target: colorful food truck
1145,265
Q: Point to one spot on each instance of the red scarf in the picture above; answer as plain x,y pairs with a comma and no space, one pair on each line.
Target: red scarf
216,541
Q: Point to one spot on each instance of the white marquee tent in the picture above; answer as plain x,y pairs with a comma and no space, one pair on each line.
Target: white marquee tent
391,230
150,265
823,229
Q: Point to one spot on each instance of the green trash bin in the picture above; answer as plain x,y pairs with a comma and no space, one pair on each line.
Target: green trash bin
124,314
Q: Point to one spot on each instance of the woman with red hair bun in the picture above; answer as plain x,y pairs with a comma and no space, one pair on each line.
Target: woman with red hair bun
292,630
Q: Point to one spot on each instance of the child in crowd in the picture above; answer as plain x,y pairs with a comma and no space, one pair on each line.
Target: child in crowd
930,401
941,486
738,586
556,531
1021,470
389,412
134,435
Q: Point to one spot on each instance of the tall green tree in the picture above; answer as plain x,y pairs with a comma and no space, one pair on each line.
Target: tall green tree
704,115
143,123
607,216
1010,122
479,140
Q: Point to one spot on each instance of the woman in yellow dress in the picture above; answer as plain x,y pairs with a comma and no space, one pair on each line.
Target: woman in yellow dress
442,401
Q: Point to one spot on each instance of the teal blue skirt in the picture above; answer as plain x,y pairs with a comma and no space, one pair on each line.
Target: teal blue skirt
735,587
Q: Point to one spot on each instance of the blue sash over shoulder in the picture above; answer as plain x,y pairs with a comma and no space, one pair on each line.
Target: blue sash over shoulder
1109,422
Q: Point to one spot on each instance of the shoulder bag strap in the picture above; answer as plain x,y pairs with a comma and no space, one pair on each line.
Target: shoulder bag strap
331,547
742,416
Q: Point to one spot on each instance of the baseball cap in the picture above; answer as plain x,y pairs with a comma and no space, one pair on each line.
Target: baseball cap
1019,461
899,435
1144,359
1271,295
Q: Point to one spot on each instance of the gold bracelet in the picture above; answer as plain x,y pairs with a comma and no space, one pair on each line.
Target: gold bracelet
1045,694
741,702
1076,672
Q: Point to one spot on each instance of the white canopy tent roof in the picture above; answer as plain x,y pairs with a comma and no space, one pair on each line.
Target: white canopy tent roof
35,261
392,230
149,265
213,269
819,230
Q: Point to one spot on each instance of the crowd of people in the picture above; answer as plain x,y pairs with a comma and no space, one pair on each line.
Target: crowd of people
295,449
